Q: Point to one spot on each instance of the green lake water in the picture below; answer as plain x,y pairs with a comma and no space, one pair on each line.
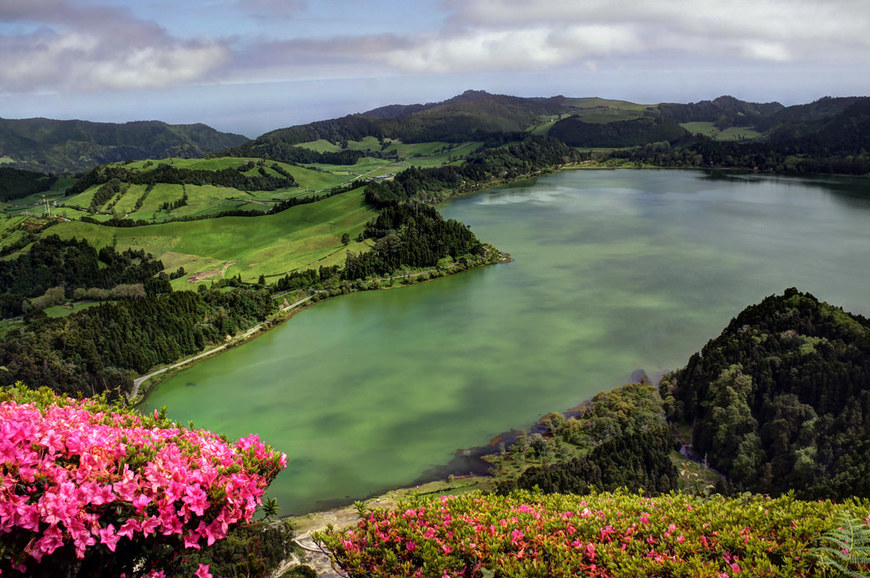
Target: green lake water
614,271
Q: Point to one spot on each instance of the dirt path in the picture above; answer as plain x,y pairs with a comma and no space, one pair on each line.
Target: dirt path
137,383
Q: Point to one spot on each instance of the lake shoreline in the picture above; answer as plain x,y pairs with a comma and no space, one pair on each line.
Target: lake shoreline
614,269
140,393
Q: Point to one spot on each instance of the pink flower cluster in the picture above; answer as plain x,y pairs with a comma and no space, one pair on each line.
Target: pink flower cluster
596,535
80,473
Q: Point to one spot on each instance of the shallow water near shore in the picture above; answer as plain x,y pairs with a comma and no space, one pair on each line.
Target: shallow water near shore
613,271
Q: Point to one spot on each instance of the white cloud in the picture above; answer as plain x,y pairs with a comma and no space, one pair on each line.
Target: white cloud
78,45
516,49
753,29
88,49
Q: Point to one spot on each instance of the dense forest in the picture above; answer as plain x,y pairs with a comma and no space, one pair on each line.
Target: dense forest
70,264
410,235
98,349
19,183
634,461
781,399
627,133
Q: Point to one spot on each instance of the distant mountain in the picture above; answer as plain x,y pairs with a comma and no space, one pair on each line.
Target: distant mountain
806,114
66,146
829,135
724,112
828,120
471,116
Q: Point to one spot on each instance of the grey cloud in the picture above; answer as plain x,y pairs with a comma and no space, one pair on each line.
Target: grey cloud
750,29
81,49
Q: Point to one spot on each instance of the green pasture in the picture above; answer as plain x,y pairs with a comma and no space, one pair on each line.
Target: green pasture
305,236
434,154
82,199
544,127
320,146
732,133
56,311
317,178
97,235
208,164
203,200
738,133
594,102
368,143
698,127
68,212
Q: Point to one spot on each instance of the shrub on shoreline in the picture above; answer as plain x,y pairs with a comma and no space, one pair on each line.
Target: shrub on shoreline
600,534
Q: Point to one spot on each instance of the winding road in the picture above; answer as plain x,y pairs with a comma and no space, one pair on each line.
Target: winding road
140,380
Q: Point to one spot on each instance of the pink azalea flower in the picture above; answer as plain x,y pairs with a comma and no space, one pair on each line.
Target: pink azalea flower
109,537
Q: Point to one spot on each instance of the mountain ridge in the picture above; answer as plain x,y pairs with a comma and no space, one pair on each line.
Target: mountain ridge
50,145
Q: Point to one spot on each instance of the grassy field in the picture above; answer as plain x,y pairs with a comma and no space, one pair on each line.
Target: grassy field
731,133
320,146
70,308
305,236
202,200
704,128
738,133
368,143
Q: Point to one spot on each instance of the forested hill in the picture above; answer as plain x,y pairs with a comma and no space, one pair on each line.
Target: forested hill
66,146
829,135
781,399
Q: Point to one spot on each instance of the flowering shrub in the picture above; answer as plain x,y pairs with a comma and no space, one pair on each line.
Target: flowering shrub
101,490
597,535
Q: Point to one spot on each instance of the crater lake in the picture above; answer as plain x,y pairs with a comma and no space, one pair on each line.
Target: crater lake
613,271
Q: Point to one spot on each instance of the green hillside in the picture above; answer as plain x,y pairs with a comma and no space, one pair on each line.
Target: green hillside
305,236
65,146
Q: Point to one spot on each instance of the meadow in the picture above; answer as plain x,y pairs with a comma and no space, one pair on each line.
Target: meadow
182,232
302,237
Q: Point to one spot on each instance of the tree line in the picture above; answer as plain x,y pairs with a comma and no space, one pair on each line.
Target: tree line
410,235
19,183
165,173
69,264
502,158
98,349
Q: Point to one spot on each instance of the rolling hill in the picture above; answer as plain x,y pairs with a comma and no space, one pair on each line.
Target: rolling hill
67,146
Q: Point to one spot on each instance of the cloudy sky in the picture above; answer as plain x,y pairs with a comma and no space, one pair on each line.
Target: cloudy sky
249,66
